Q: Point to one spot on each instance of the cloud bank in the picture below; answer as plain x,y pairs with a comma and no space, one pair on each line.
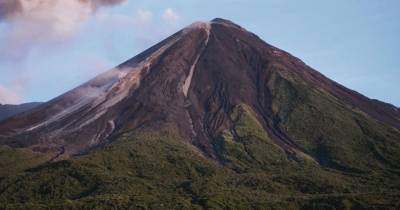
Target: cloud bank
35,37
36,22
15,8
27,24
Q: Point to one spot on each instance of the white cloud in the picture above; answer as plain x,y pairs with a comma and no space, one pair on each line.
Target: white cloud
33,23
52,24
170,16
10,95
144,16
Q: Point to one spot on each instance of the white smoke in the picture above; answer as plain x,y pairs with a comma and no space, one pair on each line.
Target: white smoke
170,16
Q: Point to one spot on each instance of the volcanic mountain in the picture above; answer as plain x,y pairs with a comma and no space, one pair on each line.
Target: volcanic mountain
211,117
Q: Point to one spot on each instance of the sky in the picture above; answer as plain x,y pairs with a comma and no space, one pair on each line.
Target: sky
48,47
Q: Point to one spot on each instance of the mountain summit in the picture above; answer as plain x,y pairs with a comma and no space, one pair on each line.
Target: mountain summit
233,105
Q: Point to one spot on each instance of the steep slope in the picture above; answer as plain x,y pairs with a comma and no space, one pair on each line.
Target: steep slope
84,117
229,120
8,110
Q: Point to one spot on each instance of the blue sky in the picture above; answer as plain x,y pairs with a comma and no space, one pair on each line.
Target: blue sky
353,42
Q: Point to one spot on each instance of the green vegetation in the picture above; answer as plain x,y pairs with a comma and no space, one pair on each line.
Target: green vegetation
248,147
157,171
357,164
13,161
337,135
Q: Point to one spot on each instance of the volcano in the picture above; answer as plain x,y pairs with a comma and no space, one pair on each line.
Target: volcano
210,118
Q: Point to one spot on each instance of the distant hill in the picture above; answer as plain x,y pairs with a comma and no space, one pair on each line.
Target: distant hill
9,110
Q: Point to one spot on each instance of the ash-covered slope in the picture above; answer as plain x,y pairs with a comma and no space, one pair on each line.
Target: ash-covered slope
210,118
85,116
